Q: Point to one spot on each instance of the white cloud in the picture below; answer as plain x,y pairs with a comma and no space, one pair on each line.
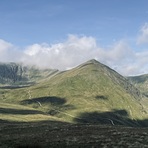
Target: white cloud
76,50
62,55
143,36
6,51
4,47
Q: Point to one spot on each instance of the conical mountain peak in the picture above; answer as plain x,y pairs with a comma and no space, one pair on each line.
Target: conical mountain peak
90,62
93,61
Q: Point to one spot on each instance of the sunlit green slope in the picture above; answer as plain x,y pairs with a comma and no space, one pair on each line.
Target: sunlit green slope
19,113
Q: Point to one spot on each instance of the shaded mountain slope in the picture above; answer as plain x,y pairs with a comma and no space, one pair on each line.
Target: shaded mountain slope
141,82
18,74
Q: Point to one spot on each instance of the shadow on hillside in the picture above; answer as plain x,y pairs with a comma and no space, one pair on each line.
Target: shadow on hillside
18,111
4,121
63,108
101,97
114,117
49,99
145,94
35,123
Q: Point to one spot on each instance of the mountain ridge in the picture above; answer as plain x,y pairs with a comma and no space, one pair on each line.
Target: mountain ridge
17,73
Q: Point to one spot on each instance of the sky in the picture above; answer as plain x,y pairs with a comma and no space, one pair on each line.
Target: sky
62,34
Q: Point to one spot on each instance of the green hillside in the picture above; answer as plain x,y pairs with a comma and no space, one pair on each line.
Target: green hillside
89,93
19,113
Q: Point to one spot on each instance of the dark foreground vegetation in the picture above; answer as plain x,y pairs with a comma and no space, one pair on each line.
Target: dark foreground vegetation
59,134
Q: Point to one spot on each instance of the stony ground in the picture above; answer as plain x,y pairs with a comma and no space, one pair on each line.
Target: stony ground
56,134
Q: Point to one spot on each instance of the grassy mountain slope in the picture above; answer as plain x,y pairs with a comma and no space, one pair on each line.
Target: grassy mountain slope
19,113
91,92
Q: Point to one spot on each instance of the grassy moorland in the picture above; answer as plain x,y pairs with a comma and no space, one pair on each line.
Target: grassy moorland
59,134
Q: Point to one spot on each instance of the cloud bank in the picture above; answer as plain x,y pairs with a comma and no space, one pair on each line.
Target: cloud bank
143,37
78,49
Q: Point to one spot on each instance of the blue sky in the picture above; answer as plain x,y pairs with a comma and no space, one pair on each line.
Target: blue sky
29,27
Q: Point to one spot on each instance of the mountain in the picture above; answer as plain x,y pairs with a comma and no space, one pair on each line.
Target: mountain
81,107
90,93
14,74
141,82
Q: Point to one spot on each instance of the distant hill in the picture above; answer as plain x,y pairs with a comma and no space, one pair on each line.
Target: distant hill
16,74
141,82
89,93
